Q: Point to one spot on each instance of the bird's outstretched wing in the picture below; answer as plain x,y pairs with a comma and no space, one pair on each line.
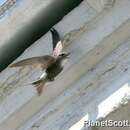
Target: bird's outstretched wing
57,44
58,49
55,37
43,61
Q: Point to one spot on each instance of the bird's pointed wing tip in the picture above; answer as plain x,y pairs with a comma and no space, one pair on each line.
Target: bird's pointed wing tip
12,65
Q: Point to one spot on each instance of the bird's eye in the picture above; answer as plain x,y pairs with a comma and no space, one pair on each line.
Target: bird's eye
62,54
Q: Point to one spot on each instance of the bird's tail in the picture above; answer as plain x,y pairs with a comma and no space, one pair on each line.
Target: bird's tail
39,84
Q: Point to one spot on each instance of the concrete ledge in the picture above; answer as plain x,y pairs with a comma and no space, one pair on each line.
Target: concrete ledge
120,114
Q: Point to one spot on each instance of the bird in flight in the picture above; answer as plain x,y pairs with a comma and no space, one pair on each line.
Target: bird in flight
52,64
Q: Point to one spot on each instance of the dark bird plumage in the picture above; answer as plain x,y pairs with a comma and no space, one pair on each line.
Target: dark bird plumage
55,37
50,63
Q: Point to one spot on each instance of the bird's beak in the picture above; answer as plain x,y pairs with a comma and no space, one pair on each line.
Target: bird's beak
67,55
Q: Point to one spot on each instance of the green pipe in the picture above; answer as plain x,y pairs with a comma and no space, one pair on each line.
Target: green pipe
34,30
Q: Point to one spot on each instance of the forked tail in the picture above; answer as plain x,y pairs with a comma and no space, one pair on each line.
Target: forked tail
39,84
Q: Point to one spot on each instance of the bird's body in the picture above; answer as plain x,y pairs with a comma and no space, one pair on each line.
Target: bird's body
54,69
52,64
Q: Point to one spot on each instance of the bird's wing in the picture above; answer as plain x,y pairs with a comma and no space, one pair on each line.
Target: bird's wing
55,37
43,61
56,41
58,49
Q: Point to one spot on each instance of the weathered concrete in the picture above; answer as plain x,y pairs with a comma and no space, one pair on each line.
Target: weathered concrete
95,80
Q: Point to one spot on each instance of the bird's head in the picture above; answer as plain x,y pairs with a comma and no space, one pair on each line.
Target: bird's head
64,55
61,58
